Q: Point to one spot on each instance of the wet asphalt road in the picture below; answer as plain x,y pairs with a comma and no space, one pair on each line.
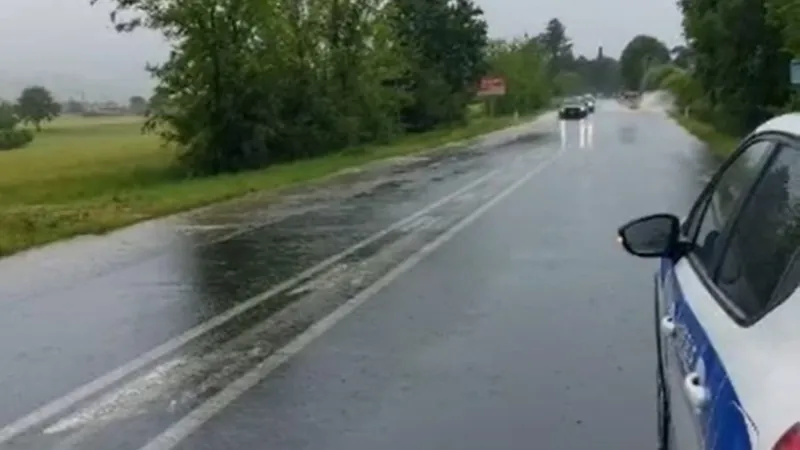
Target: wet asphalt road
528,328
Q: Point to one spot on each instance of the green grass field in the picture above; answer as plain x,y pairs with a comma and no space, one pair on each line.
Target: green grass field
91,175
721,144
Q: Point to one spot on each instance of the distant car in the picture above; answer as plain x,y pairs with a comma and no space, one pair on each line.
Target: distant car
572,109
630,94
589,101
727,300
630,99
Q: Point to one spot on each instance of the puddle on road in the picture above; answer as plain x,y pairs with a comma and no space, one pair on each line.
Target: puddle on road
227,272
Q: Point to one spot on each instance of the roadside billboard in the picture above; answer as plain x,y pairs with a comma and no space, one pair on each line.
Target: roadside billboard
492,87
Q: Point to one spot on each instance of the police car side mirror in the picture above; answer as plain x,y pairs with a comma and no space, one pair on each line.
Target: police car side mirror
652,236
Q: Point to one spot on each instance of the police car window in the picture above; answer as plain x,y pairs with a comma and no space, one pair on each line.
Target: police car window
720,204
760,265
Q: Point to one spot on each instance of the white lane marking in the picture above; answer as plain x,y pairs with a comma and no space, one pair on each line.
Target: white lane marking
166,382
146,389
182,429
421,224
61,404
429,223
414,225
319,281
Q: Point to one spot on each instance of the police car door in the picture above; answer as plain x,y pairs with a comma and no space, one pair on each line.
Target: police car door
695,378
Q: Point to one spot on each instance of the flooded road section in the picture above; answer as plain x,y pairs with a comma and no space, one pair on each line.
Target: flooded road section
104,310
474,298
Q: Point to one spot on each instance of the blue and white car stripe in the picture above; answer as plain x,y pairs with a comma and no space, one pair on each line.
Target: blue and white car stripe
722,420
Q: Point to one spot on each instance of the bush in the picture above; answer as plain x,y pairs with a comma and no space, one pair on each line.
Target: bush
14,138
654,78
681,84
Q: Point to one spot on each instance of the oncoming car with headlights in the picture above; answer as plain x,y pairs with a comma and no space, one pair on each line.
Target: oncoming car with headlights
589,100
573,108
727,301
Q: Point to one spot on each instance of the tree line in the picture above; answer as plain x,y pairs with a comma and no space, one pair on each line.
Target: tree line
36,106
733,72
575,74
137,106
250,83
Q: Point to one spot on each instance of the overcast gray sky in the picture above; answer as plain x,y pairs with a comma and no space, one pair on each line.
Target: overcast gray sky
70,44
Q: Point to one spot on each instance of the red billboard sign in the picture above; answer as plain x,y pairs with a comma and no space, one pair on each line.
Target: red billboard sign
492,86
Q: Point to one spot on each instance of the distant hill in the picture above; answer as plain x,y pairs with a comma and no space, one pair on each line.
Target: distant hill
66,86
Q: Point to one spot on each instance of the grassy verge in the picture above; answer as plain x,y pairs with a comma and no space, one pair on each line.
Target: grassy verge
719,143
83,176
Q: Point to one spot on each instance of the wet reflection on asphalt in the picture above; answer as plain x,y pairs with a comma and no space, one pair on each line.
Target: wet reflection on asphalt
106,301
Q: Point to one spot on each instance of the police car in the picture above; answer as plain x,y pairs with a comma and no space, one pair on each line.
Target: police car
728,303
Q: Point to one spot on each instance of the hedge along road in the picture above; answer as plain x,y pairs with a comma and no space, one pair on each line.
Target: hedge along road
506,314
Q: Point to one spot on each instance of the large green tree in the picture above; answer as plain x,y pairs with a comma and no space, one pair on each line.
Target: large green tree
557,46
740,54
253,82
641,53
444,43
36,105
522,64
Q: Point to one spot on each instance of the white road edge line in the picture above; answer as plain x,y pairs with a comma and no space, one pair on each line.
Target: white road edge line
179,431
61,404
